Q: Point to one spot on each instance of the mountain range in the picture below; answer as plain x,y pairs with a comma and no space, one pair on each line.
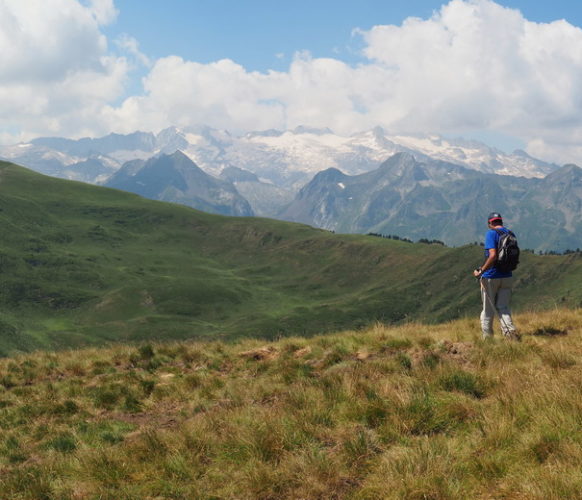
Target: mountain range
287,159
416,187
177,179
439,200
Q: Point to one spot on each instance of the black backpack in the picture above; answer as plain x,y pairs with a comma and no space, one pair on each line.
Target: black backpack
507,251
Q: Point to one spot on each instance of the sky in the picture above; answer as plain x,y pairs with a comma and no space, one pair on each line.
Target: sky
507,72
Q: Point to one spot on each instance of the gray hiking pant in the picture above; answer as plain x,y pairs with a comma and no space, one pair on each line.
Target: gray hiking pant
496,296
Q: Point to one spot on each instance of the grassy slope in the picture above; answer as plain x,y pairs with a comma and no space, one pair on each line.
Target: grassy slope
81,264
409,412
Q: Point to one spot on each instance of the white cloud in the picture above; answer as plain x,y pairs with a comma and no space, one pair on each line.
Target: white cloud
473,66
476,65
56,69
220,94
130,45
103,10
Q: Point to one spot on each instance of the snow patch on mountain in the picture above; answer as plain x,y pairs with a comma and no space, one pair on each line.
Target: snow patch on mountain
287,159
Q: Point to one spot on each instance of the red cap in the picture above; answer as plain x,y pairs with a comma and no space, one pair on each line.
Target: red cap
494,216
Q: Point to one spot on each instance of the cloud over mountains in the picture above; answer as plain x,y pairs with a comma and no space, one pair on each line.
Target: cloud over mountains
57,72
474,65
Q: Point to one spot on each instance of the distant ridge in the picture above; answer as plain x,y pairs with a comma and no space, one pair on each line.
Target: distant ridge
438,200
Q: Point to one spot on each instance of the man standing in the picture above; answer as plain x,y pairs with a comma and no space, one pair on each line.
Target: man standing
495,283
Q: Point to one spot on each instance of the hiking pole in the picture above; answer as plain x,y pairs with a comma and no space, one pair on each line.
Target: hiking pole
501,320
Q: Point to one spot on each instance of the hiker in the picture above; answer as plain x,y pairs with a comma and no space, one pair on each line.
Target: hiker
496,279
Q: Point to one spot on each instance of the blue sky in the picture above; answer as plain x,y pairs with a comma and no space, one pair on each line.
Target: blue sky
254,32
264,35
508,72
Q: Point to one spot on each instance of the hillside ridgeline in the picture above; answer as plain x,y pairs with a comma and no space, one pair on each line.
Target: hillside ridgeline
81,264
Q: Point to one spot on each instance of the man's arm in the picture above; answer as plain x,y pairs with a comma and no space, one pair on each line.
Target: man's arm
489,263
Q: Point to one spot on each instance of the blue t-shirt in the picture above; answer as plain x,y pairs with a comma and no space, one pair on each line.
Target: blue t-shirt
491,240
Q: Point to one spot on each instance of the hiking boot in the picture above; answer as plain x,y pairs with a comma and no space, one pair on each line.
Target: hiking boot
513,336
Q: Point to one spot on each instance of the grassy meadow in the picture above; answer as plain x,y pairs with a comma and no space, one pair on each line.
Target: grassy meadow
397,412
84,265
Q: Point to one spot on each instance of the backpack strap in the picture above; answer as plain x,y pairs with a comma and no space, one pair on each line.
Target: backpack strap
501,233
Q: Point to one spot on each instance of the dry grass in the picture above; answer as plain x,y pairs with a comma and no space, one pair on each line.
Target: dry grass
414,412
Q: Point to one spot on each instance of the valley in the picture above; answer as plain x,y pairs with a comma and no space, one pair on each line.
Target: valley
87,265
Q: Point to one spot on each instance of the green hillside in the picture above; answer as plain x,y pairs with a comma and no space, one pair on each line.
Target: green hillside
81,264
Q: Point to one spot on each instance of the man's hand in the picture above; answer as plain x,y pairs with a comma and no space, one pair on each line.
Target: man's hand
477,273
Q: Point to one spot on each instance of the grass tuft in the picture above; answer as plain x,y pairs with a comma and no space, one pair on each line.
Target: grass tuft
558,359
64,442
547,445
464,382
